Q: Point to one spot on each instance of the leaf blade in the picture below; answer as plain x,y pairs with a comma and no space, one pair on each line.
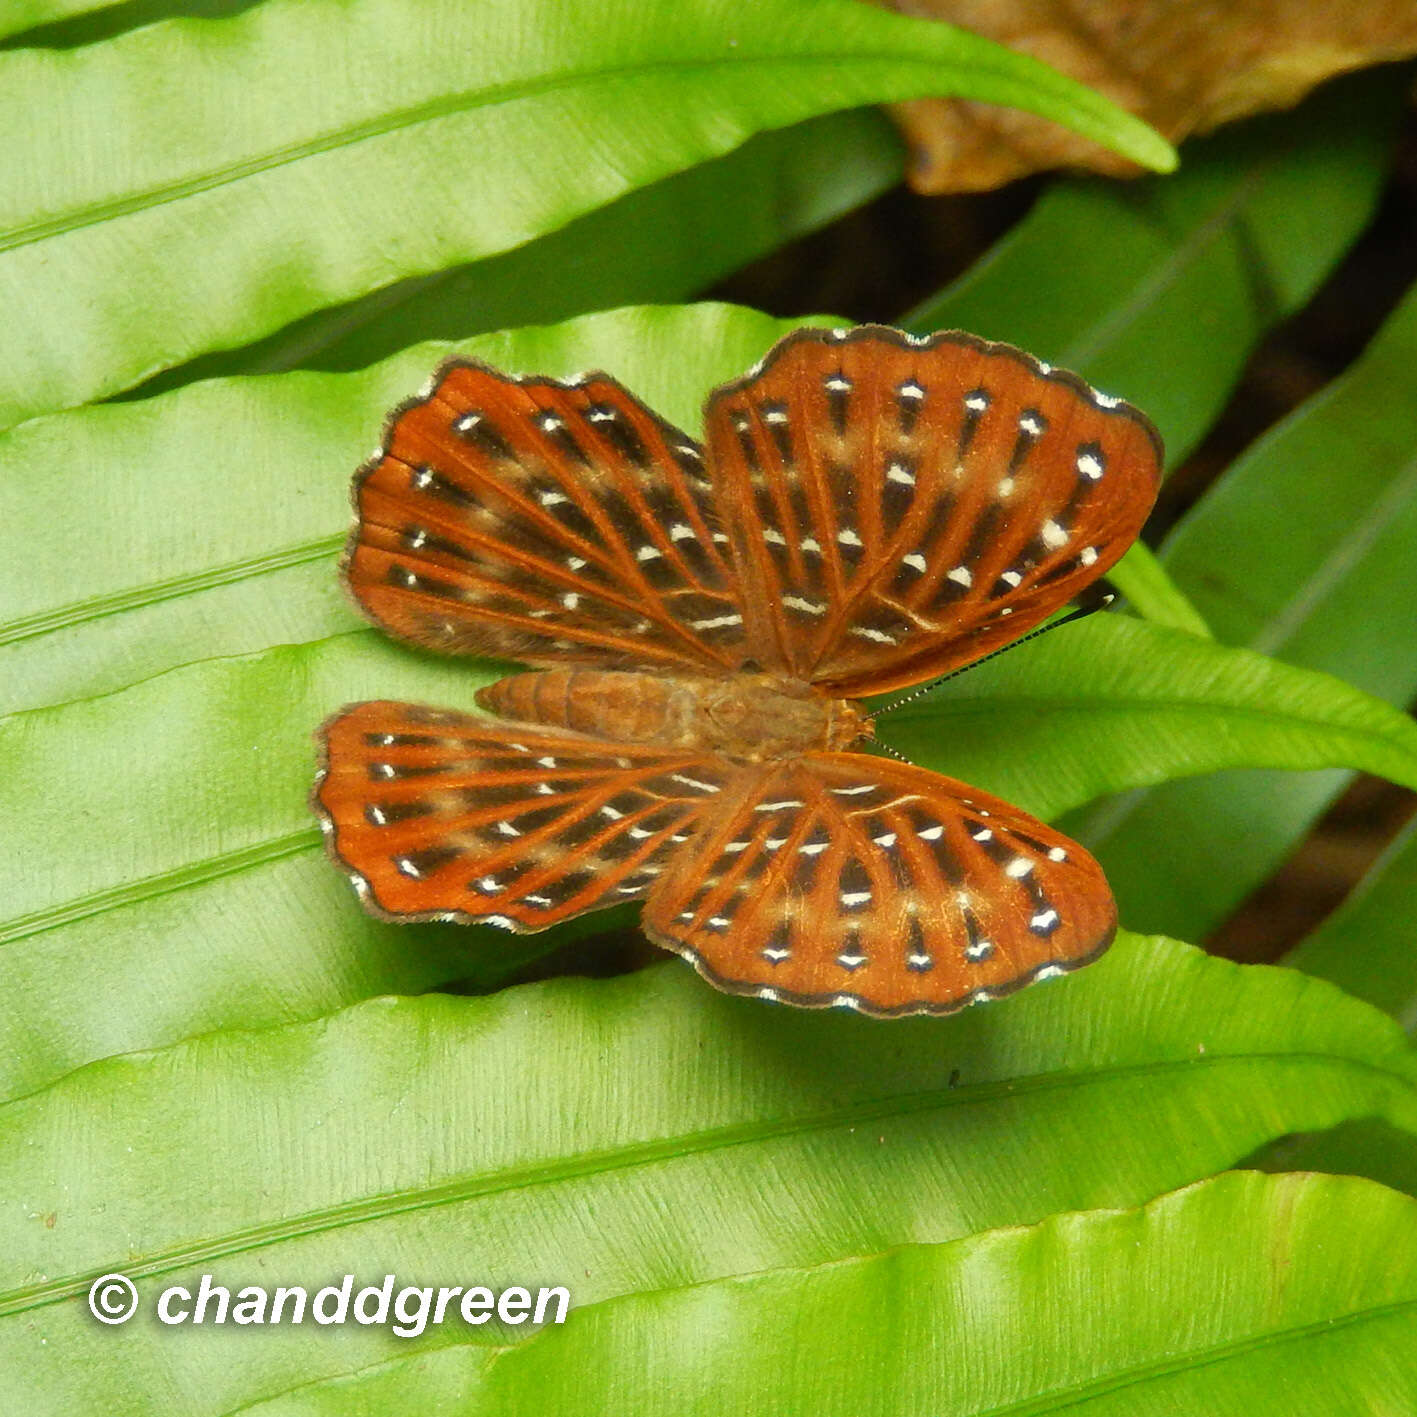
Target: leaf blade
275,161
311,1150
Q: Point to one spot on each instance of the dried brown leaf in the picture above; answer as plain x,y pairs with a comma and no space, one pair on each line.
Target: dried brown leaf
1183,66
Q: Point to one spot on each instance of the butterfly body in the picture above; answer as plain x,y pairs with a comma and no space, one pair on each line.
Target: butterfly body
869,510
755,718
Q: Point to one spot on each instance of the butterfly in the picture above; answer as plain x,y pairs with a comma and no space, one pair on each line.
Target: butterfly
869,510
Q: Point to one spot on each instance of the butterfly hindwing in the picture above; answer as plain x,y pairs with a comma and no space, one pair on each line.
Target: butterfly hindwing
553,523
442,815
854,880
900,506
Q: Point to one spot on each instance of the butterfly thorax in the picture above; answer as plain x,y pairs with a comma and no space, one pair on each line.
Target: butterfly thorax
753,716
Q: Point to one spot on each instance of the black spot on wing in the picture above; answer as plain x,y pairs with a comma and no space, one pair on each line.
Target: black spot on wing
976,403
610,424
481,433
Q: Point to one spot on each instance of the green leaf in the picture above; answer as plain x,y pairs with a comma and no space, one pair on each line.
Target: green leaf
208,521
1159,290
1303,549
326,149
1076,713
660,244
17,16
1365,946
1362,1148
1243,1294
65,24
627,1136
1153,594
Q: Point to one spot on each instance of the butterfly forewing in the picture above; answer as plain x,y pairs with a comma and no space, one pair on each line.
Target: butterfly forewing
853,880
443,815
900,507
547,522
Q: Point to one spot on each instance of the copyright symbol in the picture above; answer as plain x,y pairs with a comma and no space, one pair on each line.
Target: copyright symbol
113,1299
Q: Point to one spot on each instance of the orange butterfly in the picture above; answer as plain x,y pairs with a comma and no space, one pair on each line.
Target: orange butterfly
869,510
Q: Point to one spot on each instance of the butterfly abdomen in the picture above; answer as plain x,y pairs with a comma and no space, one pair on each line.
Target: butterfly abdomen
745,716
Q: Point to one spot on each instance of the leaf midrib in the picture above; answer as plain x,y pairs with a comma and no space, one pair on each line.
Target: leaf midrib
191,873
447,106
1098,705
387,1204
1345,554
96,607
1204,1357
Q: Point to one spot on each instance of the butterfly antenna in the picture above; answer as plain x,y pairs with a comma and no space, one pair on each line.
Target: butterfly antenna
1080,614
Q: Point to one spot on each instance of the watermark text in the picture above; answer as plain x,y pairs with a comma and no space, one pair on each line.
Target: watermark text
406,1311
